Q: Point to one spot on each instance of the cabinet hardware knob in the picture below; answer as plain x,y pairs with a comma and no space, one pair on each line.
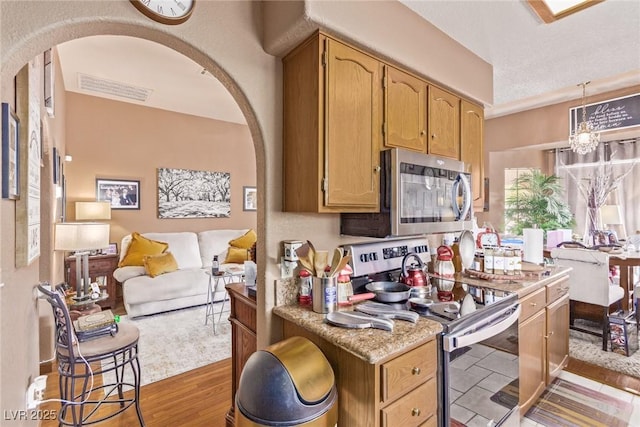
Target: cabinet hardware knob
533,304
548,336
433,135
377,169
415,412
415,371
423,132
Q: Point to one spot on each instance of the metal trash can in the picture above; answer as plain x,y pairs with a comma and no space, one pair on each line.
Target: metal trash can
290,383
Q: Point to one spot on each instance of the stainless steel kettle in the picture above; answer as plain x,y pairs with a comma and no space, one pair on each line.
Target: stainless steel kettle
413,276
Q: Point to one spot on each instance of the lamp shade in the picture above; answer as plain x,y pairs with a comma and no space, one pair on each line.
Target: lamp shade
611,214
79,236
93,211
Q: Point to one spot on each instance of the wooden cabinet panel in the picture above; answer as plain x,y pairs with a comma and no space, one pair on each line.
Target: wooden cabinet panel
556,290
532,303
352,114
532,354
405,116
99,266
408,371
332,128
471,148
444,123
413,409
557,337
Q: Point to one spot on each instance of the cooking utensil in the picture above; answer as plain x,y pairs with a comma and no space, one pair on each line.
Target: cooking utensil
304,257
389,291
335,261
342,265
361,297
413,276
358,320
420,303
320,262
467,246
383,310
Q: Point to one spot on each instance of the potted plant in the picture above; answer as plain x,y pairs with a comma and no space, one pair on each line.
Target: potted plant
536,200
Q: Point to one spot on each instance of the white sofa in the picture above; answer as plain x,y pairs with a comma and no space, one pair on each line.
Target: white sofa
185,287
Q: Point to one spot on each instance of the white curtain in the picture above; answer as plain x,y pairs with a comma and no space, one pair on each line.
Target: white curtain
613,165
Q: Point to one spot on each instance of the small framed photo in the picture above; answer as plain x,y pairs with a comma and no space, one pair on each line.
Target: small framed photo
111,250
10,154
249,199
122,194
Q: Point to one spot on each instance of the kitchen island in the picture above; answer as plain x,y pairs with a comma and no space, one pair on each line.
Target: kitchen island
389,378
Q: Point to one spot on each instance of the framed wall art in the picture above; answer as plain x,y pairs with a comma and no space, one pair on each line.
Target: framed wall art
249,199
10,154
184,193
122,194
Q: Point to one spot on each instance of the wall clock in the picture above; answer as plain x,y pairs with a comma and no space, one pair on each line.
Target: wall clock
171,12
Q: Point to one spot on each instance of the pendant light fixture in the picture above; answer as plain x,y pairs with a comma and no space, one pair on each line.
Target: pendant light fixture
584,138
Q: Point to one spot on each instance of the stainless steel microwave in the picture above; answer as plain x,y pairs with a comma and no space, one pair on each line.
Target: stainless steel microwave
420,194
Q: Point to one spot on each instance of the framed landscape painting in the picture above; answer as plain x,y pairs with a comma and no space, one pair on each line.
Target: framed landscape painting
250,199
185,193
10,154
122,194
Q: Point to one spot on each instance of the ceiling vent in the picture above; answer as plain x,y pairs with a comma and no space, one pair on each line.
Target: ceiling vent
109,87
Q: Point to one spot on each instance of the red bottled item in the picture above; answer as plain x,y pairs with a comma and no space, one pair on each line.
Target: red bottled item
304,288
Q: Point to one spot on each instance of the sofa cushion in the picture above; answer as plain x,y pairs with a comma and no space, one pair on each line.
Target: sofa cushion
178,284
245,241
236,255
125,273
138,248
183,246
216,242
155,265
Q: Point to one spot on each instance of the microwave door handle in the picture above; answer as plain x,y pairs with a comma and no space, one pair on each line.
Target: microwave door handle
461,179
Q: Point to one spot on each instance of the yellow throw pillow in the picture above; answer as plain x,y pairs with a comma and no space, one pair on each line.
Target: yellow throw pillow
245,241
156,265
236,255
139,247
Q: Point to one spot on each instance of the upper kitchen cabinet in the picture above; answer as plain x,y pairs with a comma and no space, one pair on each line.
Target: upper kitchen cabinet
405,104
444,123
332,128
471,148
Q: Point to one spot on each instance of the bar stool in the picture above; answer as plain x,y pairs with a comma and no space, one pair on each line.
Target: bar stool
79,363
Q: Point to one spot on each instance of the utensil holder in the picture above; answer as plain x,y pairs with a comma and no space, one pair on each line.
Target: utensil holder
324,294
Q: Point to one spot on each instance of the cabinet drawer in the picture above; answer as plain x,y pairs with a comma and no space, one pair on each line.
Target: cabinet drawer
556,290
533,303
412,409
407,371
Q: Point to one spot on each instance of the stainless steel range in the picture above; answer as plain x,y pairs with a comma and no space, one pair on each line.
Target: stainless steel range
478,348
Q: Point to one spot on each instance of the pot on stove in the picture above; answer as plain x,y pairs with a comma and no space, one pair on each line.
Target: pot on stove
413,275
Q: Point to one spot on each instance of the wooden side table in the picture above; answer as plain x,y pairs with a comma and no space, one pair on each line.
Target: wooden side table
99,265
243,337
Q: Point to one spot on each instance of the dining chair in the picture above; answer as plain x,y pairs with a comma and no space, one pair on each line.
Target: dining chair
589,283
87,396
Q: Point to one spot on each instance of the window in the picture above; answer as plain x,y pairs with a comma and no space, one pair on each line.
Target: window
510,175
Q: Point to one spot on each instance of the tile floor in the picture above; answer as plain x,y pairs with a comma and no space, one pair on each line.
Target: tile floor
603,388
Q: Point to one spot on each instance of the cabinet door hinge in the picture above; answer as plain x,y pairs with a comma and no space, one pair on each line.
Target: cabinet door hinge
384,128
325,184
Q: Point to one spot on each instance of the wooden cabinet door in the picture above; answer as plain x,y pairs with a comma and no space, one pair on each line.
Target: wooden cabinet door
532,354
352,125
471,148
444,123
405,104
557,337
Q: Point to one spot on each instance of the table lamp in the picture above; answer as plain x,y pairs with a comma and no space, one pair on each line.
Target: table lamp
91,211
612,215
81,237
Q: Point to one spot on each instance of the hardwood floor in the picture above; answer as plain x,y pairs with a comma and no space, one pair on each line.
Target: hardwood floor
605,376
193,399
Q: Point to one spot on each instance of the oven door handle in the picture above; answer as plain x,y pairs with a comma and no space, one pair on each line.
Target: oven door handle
455,341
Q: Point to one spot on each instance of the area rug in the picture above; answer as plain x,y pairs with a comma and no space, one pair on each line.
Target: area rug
178,341
588,348
570,405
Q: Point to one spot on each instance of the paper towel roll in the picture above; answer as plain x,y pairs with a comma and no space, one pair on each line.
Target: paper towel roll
533,245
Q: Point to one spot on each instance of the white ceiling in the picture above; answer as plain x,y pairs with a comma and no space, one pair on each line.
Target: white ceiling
534,63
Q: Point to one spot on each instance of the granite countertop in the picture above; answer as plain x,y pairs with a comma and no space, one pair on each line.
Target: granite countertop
376,345
522,287
370,345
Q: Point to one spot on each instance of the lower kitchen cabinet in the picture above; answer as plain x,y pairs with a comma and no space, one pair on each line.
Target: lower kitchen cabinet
543,337
400,392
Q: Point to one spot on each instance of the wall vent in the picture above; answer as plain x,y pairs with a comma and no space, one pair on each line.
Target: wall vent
109,87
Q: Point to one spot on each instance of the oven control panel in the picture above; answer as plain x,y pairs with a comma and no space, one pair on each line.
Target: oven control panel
395,252
385,255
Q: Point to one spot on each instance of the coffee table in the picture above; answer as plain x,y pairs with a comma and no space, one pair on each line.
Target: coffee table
217,283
